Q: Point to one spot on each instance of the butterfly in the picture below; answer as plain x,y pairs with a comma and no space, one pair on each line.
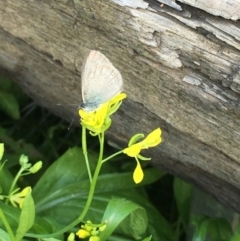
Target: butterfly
101,81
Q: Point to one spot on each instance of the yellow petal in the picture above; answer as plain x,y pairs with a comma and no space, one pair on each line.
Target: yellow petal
138,173
25,191
94,120
153,139
133,150
18,198
82,233
117,98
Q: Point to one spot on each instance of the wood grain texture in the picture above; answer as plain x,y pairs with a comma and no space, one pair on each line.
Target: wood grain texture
180,68
228,9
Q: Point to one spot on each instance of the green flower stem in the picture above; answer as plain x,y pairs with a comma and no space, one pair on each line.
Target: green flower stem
84,147
89,199
6,224
14,183
113,155
94,180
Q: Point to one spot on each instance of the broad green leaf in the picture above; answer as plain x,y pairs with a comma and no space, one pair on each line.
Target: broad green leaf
27,217
217,228
12,215
67,179
62,191
183,195
62,179
148,238
9,105
135,224
117,210
201,224
4,236
11,87
6,180
41,225
220,229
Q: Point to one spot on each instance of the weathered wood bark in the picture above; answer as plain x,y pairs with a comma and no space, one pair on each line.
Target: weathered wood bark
179,61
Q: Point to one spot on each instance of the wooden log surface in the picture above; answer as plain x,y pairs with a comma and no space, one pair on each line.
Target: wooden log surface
180,64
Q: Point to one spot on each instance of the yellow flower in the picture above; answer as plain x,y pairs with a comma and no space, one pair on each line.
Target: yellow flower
138,173
91,230
153,139
18,198
82,233
98,121
134,149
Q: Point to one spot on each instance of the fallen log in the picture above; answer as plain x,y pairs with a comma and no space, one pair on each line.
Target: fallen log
180,65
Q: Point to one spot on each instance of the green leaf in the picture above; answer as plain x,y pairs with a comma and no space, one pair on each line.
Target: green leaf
9,105
12,215
6,180
117,210
183,195
135,224
62,191
27,217
4,236
201,224
148,238
41,225
220,229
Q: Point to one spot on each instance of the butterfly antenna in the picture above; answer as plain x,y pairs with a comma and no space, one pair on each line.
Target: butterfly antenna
73,118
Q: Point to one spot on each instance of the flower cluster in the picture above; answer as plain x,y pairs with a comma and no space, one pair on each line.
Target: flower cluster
99,120
17,199
91,230
14,196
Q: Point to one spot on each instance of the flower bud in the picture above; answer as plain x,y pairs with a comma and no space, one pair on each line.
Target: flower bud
94,232
71,237
82,233
23,160
102,228
36,167
94,238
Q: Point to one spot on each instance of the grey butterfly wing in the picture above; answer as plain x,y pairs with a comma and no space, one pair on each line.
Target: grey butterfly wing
101,81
